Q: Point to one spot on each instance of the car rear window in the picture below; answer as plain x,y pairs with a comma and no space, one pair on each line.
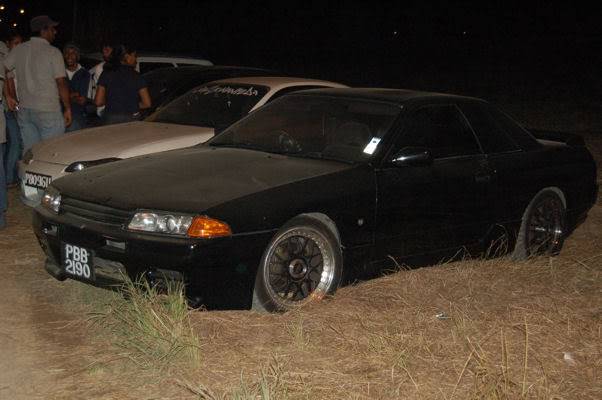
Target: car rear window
518,134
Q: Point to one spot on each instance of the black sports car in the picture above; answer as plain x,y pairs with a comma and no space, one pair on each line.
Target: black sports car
317,187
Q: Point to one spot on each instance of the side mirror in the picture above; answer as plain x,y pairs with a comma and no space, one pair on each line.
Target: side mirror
412,156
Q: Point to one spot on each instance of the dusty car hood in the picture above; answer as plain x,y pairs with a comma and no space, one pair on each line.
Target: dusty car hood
119,141
189,180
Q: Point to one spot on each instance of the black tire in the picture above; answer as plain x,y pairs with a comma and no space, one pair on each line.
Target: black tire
303,262
542,229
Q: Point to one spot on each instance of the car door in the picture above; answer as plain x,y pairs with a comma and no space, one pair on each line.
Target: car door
504,143
437,204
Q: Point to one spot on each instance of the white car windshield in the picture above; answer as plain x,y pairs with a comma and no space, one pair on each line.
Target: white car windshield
320,127
214,106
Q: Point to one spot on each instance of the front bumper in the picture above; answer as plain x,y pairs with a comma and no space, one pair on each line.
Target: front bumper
220,271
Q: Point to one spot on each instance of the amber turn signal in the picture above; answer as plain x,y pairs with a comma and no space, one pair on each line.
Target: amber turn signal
205,227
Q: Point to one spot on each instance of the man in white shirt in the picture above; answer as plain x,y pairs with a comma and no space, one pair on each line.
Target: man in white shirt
40,71
96,71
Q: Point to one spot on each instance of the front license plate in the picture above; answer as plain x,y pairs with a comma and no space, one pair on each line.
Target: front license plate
77,261
37,180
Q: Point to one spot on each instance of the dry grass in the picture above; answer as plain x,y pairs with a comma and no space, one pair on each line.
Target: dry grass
476,329
509,330
151,328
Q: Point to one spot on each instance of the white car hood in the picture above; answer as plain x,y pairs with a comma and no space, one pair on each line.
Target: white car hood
119,141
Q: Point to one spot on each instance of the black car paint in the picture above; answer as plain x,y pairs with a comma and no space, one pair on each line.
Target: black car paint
377,208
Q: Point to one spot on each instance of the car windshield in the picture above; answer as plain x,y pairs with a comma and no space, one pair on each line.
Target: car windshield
215,106
314,127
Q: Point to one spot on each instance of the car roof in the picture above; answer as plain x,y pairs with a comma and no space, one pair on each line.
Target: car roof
144,56
276,81
397,96
196,69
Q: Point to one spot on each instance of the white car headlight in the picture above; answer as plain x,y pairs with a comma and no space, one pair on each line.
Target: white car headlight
52,199
158,222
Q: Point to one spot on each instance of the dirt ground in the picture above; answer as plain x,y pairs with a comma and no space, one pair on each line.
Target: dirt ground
359,347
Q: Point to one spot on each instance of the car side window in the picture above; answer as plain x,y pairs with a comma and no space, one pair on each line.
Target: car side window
149,66
488,129
442,129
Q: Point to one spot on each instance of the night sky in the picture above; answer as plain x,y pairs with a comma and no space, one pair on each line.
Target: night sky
390,43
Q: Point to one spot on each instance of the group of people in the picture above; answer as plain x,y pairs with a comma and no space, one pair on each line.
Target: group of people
46,93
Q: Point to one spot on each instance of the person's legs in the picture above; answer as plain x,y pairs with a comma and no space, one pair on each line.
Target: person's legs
3,200
15,145
49,124
28,129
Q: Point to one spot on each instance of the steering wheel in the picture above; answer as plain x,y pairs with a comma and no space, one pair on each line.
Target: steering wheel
288,144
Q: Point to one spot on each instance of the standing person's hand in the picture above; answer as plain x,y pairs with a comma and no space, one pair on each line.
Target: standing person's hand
12,103
68,117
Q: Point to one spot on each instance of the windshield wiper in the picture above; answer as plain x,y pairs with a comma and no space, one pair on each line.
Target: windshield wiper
316,155
246,146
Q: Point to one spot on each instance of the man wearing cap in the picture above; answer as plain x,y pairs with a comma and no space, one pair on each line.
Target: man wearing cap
40,71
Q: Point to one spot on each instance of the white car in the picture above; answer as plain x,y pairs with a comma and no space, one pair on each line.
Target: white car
149,61
188,120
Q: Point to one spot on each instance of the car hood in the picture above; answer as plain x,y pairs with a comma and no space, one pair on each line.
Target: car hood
119,141
189,180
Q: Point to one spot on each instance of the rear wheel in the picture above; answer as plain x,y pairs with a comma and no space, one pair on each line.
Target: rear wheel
543,226
303,262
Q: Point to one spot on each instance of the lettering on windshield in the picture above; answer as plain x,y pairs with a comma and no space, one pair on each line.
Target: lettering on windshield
239,91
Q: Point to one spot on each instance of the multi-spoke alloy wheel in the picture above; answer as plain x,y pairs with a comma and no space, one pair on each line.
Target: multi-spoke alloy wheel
542,227
302,262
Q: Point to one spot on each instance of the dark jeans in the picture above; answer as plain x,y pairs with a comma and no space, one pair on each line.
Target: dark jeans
13,147
3,200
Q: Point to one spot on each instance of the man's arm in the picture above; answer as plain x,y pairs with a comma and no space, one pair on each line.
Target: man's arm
10,93
63,87
145,99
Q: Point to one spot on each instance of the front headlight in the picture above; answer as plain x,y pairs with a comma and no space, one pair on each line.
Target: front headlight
79,165
27,157
178,224
52,199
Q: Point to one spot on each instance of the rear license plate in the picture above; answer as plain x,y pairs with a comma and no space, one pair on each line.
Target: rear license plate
77,261
37,180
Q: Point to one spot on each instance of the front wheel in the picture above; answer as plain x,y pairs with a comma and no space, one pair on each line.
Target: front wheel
303,262
542,229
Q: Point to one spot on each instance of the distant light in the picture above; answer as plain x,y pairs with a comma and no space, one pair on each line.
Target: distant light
15,25
1,7
21,11
464,33
395,33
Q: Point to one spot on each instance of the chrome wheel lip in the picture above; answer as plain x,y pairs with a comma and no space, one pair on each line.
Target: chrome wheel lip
327,275
545,226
